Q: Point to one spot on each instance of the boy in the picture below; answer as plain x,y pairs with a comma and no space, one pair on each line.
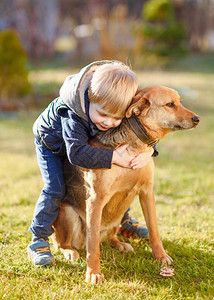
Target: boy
93,100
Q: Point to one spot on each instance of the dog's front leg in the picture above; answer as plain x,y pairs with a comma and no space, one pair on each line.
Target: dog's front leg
93,220
147,201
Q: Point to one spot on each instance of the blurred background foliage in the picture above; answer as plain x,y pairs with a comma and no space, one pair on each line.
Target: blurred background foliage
165,34
13,68
66,34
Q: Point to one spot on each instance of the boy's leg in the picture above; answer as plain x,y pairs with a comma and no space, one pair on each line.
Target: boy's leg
47,206
130,227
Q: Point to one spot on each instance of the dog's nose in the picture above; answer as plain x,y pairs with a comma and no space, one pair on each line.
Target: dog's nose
196,119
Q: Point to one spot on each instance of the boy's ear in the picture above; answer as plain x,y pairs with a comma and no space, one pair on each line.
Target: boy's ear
139,104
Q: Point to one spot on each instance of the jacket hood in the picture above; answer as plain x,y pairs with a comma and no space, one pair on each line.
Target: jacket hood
74,87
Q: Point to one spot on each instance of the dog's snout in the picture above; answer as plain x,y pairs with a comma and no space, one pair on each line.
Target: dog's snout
196,119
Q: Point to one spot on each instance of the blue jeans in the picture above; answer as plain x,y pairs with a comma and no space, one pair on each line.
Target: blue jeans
47,206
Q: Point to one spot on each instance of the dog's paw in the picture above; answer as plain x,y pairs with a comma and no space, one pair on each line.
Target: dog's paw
123,247
71,254
160,254
166,260
94,278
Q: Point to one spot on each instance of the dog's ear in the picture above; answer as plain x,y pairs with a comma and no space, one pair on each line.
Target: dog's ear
139,103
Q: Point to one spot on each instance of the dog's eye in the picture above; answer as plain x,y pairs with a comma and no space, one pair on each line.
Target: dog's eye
171,104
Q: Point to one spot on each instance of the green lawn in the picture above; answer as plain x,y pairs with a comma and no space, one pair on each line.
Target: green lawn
184,188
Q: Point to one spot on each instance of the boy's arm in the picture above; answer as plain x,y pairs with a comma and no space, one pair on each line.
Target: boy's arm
79,152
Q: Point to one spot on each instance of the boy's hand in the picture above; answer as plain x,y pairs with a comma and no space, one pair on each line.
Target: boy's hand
122,157
141,160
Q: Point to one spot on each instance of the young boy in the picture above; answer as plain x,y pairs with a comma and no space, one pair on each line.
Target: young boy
93,100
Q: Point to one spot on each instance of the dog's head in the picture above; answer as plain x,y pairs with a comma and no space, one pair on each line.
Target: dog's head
160,111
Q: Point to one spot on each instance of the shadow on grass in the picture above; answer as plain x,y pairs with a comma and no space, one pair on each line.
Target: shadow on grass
193,267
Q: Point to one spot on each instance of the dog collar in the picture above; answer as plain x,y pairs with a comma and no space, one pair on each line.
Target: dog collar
140,131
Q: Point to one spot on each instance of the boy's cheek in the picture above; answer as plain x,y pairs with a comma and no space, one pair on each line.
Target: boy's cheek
117,123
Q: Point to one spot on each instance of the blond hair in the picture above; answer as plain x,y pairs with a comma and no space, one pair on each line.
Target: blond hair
113,85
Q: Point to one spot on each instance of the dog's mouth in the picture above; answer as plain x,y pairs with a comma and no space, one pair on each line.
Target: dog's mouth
175,127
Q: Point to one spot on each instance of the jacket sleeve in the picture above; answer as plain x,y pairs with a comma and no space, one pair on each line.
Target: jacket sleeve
79,152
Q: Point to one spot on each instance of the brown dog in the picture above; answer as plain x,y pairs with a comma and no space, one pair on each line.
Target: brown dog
97,199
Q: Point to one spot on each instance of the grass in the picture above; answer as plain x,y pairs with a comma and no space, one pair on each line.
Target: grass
184,188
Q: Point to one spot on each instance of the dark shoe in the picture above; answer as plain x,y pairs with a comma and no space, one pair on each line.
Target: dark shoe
132,228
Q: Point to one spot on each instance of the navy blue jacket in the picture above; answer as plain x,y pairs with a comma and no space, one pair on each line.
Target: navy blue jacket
62,131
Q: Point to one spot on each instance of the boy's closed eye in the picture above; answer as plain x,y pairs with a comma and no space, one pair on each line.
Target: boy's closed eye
107,115
102,114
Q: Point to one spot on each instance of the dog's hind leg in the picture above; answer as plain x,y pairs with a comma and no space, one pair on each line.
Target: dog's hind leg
69,252
121,246
67,232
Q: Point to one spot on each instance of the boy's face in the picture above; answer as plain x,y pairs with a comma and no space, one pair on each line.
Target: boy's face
101,118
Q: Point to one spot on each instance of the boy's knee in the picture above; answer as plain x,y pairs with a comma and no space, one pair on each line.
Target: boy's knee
54,192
